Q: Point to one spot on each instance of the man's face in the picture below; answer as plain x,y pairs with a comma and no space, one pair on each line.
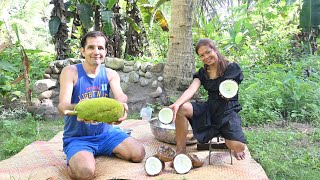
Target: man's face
94,51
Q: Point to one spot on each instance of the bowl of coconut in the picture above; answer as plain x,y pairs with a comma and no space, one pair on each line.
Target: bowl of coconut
167,132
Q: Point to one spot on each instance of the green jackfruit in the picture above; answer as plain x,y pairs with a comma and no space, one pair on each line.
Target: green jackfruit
101,109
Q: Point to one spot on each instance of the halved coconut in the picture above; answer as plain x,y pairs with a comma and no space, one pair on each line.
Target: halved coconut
182,163
153,166
196,162
228,88
165,153
165,115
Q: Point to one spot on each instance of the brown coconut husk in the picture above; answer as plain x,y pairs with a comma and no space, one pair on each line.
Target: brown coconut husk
165,153
196,162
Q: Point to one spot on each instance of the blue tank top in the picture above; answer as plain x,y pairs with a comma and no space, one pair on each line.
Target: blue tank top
87,87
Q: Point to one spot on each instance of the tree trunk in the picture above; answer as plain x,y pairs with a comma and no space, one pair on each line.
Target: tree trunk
97,18
135,41
116,40
180,65
60,38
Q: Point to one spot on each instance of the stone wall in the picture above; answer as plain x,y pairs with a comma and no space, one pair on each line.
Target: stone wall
141,81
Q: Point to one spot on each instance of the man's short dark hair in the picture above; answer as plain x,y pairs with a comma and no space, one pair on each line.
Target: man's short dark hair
93,34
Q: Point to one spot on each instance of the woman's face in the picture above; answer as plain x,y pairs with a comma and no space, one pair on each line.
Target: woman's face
207,55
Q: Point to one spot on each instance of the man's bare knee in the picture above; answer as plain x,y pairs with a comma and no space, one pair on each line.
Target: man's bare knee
138,155
84,173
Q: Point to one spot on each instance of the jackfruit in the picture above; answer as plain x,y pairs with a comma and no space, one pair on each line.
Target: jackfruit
100,109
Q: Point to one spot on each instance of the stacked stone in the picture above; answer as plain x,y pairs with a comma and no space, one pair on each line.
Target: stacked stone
47,90
141,81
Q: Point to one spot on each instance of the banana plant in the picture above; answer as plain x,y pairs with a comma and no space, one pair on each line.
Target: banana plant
310,24
151,13
58,29
26,67
103,15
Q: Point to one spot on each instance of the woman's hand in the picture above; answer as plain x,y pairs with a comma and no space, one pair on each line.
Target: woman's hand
175,107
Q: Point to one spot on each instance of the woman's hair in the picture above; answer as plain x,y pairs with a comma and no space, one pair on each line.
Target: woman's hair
92,34
222,61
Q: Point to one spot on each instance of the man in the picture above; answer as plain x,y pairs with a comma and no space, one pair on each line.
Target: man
85,139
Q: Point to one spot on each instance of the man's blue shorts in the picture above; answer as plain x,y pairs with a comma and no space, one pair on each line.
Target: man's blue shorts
102,144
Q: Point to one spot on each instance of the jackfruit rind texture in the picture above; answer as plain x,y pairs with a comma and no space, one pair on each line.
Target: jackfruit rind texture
101,109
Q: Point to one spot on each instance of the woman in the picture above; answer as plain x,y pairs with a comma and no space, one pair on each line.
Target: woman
218,115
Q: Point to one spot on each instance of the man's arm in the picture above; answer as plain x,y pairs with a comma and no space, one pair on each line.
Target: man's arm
114,80
67,79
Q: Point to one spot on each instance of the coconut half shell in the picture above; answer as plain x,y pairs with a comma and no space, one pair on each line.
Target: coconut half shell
166,153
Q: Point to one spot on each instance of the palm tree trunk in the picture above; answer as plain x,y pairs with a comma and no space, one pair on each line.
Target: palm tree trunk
180,65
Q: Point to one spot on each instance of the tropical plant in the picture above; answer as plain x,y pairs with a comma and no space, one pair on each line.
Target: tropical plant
59,29
99,15
26,67
158,35
310,25
280,92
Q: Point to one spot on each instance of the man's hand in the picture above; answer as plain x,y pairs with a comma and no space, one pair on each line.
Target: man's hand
86,121
68,112
125,115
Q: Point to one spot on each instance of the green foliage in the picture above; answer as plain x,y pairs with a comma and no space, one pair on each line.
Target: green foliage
133,115
261,39
10,61
7,95
133,24
155,107
310,25
158,43
74,47
85,14
38,62
54,24
31,17
315,136
310,15
277,92
264,34
285,154
106,17
18,129
6,66
152,13
11,68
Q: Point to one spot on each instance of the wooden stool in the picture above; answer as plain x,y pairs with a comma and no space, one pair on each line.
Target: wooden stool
211,145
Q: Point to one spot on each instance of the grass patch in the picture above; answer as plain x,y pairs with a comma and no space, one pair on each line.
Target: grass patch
17,132
19,129
286,153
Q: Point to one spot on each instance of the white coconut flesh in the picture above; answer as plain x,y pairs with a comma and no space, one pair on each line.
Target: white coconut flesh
182,163
165,115
228,88
153,166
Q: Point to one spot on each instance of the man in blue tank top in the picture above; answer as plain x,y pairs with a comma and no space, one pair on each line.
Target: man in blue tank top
84,139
